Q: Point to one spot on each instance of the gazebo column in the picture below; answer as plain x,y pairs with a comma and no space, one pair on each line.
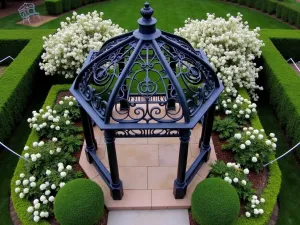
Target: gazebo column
180,185
204,143
116,186
91,144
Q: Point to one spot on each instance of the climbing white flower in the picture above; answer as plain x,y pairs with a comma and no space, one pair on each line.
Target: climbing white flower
21,195
34,144
17,190
48,172
54,139
61,184
36,219
51,199
26,148
69,167
238,136
48,192
248,214
248,142
53,186
43,187
18,182
268,142
22,175
262,200
260,136
235,180
242,146
63,174
244,182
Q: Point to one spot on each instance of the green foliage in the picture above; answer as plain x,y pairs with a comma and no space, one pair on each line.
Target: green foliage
225,127
284,13
298,20
272,6
250,3
80,201
293,14
231,171
212,194
258,4
279,8
76,4
66,5
65,107
20,77
264,5
54,7
71,143
242,2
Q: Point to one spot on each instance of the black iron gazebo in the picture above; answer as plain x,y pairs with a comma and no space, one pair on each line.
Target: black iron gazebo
147,83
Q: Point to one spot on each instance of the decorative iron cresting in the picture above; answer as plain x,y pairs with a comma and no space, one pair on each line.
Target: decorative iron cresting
147,83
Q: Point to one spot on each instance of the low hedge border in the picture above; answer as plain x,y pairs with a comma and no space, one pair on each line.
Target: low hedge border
281,80
17,79
54,7
21,205
284,11
272,188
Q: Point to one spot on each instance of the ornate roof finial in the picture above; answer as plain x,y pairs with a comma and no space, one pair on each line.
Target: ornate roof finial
147,11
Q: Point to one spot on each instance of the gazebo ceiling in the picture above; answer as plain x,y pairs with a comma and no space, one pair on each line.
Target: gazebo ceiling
146,76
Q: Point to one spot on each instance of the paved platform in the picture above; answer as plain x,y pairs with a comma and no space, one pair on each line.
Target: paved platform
149,217
35,22
148,168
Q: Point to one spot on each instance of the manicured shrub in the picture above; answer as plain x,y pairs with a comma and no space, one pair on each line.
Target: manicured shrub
54,7
242,2
279,8
215,202
250,3
293,14
264,5
66,5
272,5
76,4
285,13
258,4
79,202
298,20
234,1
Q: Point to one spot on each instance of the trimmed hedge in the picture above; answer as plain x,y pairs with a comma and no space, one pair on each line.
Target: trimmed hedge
242,2
292,15
264,5
250,3
281,80
279,8
298,20
88,207
18,79
258,4
272,6
67,5
76,3
54,7
213,194
21,205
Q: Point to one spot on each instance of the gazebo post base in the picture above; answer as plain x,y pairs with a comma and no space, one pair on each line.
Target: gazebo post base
116,191
88,156
179,190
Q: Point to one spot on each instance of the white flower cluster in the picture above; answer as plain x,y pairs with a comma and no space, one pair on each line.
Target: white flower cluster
34,156
48,118
62,170
255,204
230,47
242,107
235,180
24,185
66,50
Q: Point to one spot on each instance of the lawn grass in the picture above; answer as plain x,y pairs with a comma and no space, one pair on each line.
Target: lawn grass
289,196
8,161
170,14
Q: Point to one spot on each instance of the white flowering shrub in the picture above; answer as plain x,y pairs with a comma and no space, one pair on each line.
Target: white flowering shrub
254,206
49,122
251,147
66,50
226,127
235,175
238,108
230,47
46,171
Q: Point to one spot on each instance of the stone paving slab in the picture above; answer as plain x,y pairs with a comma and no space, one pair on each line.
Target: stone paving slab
149,217
148,168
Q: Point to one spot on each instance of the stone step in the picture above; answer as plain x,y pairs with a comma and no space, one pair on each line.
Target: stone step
149,217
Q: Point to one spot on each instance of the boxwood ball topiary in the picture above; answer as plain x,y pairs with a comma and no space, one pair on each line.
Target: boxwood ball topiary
79,202
215,202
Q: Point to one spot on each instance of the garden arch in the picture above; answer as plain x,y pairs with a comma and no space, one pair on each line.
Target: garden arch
147,83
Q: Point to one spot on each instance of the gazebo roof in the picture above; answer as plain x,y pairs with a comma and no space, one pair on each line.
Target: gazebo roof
146,79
